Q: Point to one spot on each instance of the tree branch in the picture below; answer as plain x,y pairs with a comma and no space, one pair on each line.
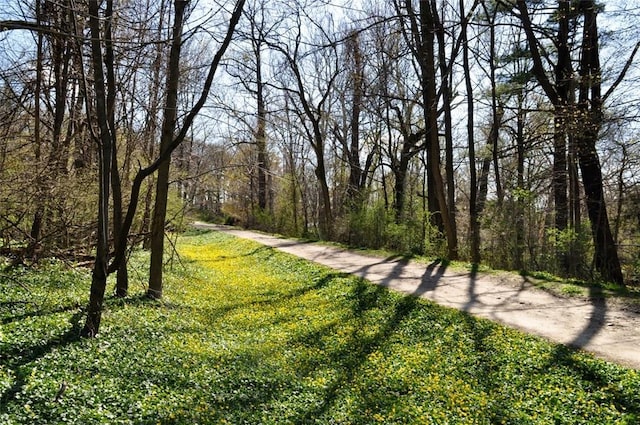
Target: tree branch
143,173
623,73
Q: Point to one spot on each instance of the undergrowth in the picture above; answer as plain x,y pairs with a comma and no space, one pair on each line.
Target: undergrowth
248,335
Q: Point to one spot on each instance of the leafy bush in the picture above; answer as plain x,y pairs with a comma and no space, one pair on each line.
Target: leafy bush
366,226
249,335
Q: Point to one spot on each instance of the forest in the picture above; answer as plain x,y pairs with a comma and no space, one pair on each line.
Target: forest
497,132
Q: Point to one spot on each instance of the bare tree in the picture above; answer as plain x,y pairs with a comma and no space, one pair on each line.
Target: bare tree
249,69
166,139
422,29
105,139
586,119
100,269
474,223
313,103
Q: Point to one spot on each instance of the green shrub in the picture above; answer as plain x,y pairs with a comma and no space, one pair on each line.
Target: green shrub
366,226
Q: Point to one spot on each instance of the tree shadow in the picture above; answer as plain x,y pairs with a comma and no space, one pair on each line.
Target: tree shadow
431,278
18,357
595,373
348,359
600,375
245,386
400,263
428,281
35,313
473,297
215,314
596,321
222,258
471,290
485,368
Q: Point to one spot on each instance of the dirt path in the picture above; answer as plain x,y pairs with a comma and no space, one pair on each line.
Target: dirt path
595,325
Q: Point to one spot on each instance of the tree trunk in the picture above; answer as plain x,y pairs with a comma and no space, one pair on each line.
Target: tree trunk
561,114
559,176
122,277
430,103
520,201
325,218
167,136
400,181
99,275
260,134
588,128
356,182
496,114
606,254
151,122
423,39
445,90
36,225
474,222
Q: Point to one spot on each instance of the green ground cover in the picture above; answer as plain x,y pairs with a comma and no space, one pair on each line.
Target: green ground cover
248,335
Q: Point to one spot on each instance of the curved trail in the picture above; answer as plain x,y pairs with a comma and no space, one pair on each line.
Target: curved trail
594,325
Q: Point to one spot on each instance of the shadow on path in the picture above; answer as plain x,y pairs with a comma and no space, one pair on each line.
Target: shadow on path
395,272
430,278
596,319
471,290
584,323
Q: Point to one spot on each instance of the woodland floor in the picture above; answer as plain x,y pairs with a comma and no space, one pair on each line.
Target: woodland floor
604,326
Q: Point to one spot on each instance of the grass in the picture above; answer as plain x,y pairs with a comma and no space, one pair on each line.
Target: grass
566,287
557,285
629,295
248,335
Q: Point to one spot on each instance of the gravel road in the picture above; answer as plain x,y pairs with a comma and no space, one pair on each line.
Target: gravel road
600,326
